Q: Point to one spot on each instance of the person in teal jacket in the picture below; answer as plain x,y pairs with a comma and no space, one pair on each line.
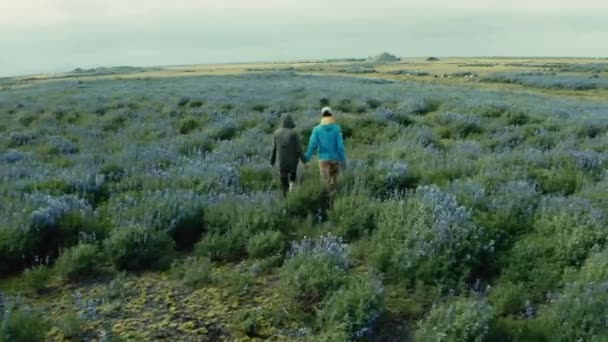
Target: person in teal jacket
327,140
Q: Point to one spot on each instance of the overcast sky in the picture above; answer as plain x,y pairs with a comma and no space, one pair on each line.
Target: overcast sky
59,35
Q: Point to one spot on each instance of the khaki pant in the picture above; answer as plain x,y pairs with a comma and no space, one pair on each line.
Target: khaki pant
330,170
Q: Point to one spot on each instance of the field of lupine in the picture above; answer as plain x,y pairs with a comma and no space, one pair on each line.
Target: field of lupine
146,209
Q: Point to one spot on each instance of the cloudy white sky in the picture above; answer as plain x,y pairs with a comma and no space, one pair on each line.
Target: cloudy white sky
58,35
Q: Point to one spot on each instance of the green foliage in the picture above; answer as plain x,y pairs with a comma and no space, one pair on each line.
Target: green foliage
307,281
27,119
356,306
72,326
557,181
193,272
562,238
462,319
423,241
253,179
37,278
508,299
224,133
113,123
196,144
353,216
196,103
578,312
249,322
229,246
21,323
517,118
20,248
112,172
187,125
236,281
137,248
78,262
345,105
338,333
373,103
266,244
367,130
307,199
259,107
232,234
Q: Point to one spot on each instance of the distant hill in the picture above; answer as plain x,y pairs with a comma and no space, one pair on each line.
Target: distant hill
384,57
109,71
432,59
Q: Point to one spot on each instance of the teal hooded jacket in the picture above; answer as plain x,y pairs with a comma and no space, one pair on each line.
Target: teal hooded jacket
327,140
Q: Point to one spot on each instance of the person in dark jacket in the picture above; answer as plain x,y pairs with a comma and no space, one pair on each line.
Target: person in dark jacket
286,152
327,140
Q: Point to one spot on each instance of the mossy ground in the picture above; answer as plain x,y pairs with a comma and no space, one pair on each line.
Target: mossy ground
154,306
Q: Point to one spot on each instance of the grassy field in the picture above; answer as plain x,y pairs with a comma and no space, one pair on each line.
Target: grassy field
138,204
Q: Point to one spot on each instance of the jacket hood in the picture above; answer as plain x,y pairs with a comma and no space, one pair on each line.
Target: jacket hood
287,121
328,120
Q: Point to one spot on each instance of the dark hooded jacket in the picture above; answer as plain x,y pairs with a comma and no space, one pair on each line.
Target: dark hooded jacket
286,148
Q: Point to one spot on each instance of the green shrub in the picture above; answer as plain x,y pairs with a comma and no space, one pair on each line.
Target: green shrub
113,123
464,319
565,230
356,306
27,119
187,125
193,272
254,179
368,130
259,107
196,103
229,246
196,144
224,133
307,199
186,230
353,216
307,280
183,101
264,266
37,278
72,326
557,181
429,238
138,248
338,333
579,312
112,172
237,282
422,106
517,118
249,323
22,324
265,244
78,262
45,237
345,105
227,107
508,298
373,103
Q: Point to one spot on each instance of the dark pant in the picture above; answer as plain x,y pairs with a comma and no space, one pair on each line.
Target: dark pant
286,177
